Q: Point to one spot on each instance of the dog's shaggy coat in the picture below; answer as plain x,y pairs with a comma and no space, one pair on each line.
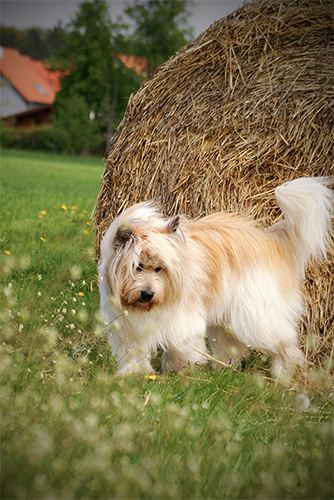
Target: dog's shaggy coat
220,276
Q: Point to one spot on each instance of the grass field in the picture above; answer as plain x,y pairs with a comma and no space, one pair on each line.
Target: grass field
70,429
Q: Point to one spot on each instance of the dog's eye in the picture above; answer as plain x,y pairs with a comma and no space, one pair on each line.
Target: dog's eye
139,268
157,269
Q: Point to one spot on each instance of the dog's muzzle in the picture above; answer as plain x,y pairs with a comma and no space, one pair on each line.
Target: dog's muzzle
146,296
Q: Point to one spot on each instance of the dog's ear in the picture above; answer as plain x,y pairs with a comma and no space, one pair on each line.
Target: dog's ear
123,235
172,224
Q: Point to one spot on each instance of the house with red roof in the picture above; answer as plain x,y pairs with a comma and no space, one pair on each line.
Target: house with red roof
28,89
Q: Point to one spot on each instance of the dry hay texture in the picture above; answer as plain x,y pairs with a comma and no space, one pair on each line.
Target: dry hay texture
244,107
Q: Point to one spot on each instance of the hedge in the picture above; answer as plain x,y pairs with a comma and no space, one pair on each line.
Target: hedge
38,138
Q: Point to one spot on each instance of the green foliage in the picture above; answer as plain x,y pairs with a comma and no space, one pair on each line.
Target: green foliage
158,34
39,138
93,71
71,429
87,53
75,132
35,42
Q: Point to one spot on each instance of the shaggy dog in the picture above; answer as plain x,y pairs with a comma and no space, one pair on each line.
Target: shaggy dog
175,281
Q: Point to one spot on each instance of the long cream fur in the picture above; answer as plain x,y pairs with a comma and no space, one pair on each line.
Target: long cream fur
220,276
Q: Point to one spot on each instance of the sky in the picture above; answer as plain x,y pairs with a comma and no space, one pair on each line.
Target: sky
46,13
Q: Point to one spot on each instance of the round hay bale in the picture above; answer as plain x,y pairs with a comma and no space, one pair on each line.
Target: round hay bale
246,106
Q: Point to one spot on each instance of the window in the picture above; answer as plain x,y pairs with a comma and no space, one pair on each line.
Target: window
39,88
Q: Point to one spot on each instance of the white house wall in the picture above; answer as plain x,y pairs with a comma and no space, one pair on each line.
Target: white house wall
11,102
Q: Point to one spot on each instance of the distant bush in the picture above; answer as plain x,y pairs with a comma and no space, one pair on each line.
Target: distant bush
41,138
6,139
33,139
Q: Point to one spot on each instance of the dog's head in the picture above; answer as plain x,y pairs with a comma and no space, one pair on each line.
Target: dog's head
140,259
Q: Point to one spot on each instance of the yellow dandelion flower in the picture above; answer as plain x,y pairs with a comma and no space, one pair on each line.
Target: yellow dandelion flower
81,294
7,252
40,216
152,377
74,207
88,223
43,212
42,238
54,207
64,207
86,232
84,211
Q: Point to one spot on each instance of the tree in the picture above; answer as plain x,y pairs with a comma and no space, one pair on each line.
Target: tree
34,42
76,131
12,37
158,34
92,70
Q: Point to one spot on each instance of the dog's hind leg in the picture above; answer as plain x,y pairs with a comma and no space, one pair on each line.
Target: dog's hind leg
224,345
274,333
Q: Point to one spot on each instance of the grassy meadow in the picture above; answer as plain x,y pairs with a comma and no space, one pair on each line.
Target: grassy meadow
71,429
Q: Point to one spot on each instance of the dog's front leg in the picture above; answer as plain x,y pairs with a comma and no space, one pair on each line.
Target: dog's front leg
176,358
173,360
131,357
183,336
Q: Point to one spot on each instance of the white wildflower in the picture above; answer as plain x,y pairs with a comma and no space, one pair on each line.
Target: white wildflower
302,402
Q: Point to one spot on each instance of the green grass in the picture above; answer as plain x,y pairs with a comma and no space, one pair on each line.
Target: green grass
71,429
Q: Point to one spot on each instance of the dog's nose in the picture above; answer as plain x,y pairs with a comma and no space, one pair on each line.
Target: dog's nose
146,296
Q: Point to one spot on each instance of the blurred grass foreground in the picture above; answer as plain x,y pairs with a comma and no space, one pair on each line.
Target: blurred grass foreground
71,429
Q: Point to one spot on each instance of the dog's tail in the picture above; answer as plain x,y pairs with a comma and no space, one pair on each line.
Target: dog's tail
307,206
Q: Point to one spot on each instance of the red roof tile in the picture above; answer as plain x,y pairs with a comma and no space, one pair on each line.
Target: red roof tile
133,62
39,68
